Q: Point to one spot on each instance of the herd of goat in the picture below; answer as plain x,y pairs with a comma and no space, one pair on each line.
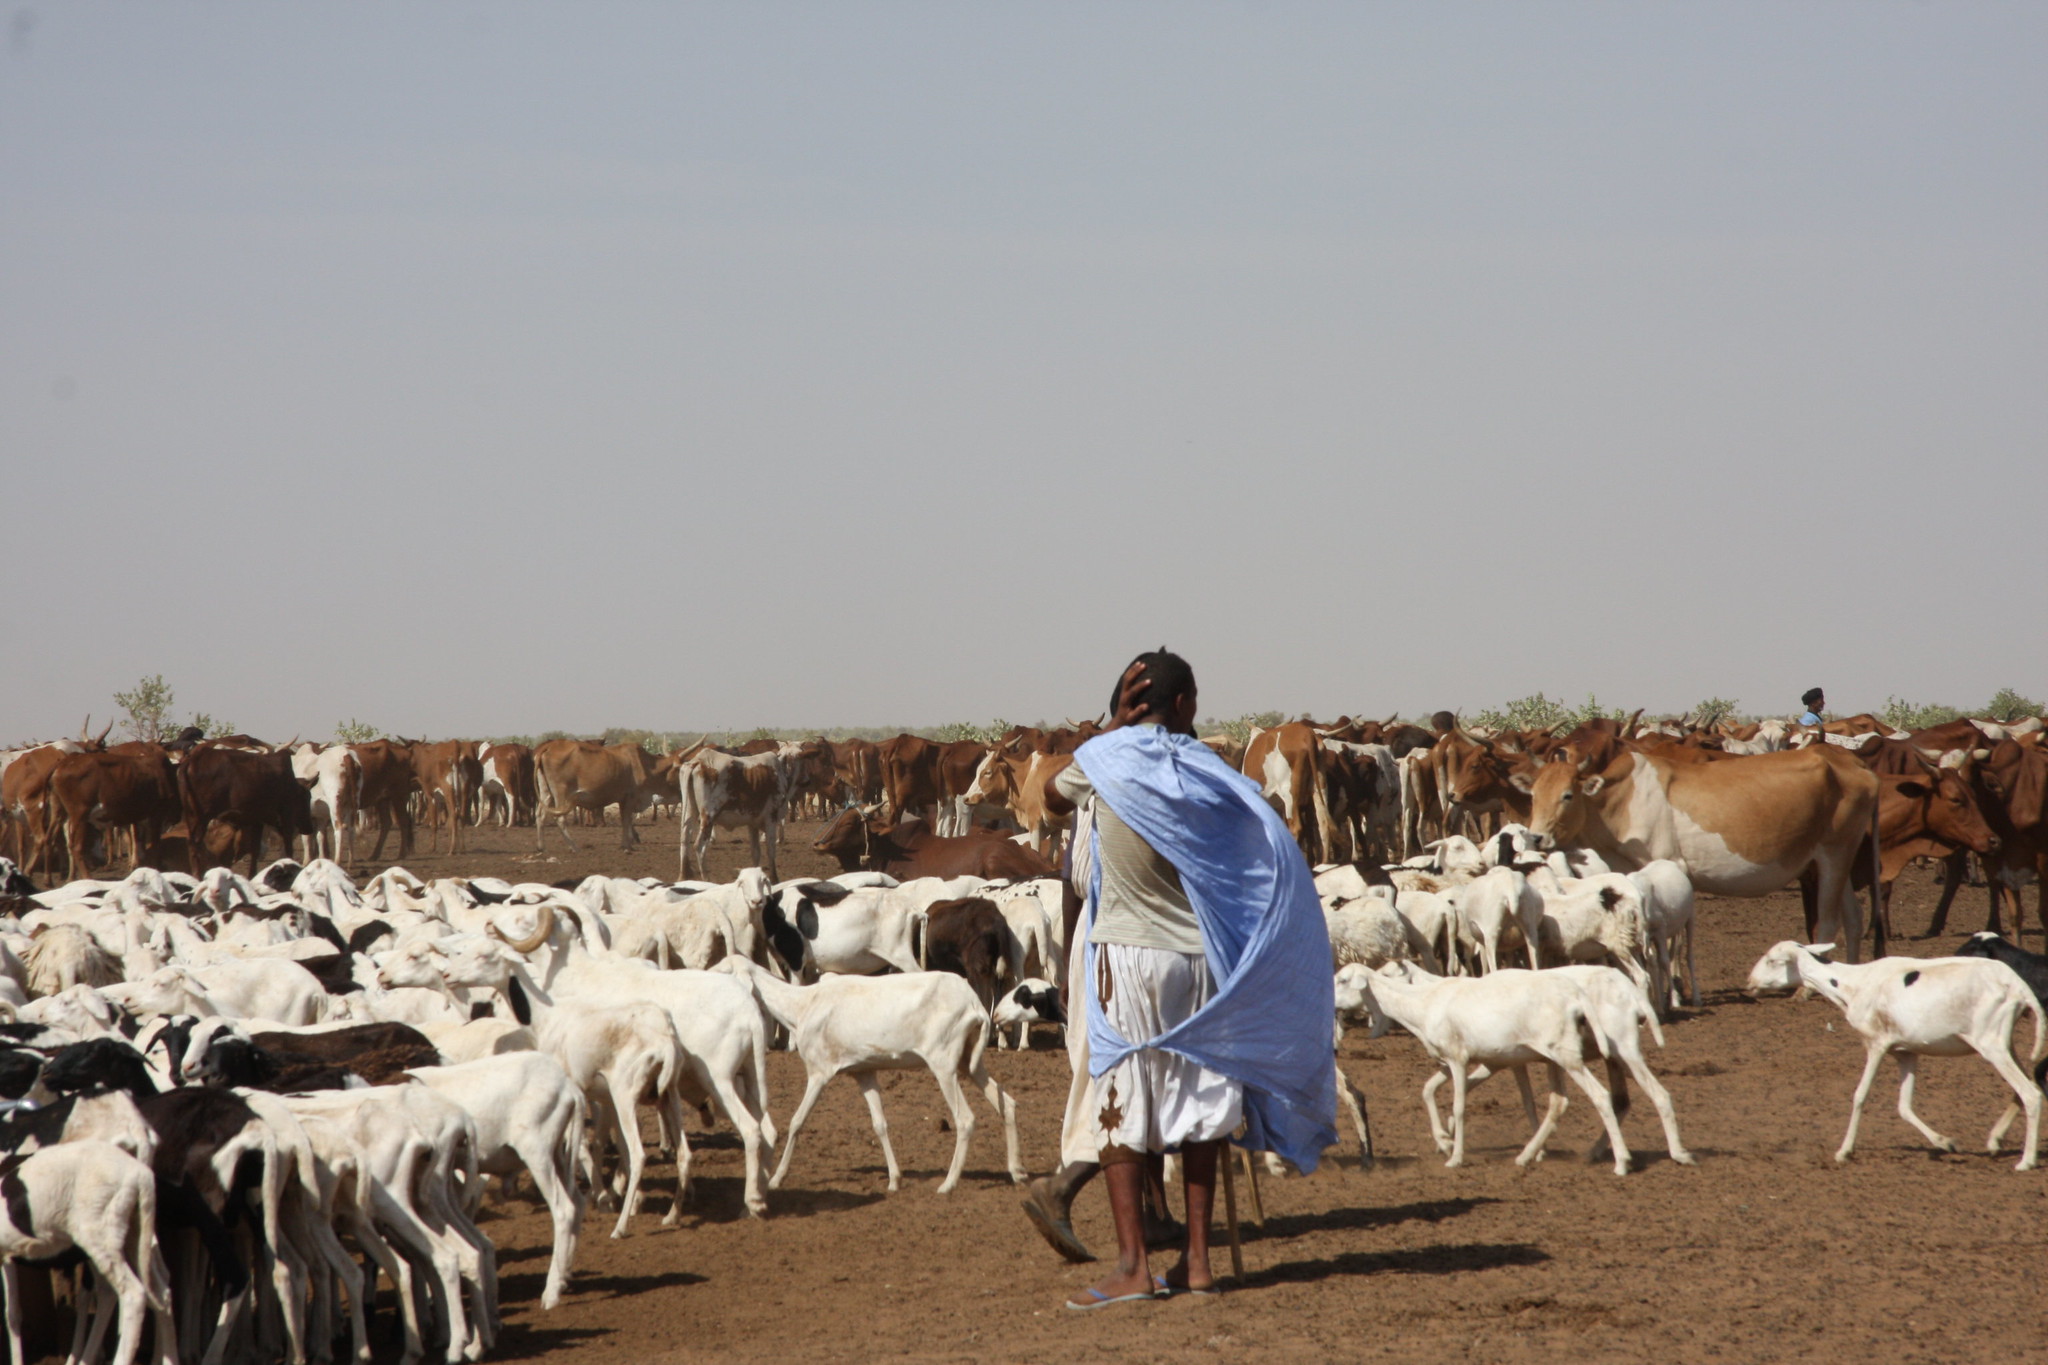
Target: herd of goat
289,1085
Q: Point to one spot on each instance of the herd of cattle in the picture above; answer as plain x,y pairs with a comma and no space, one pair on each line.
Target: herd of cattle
384,1044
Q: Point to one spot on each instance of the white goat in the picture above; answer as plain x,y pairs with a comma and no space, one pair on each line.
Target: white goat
1598,920
621,1056
96,1198
1668,915
723,1034
1492,909
832,930
1508,1018
1371,931
863,1025
61,956
414,1141
527,1112
1921,1007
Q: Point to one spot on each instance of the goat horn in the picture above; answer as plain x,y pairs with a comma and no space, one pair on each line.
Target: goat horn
541,932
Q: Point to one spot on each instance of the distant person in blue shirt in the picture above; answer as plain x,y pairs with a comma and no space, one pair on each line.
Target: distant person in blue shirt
1815,701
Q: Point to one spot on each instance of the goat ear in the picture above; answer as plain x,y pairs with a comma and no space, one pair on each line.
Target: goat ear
1820,949
1592,785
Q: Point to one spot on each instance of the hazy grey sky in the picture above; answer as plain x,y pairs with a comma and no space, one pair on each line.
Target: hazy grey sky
480,368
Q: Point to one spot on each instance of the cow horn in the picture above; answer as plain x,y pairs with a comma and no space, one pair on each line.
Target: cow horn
541,932
85,729
102,740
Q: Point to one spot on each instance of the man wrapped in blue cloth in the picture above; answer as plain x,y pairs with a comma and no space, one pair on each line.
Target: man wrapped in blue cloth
1203,968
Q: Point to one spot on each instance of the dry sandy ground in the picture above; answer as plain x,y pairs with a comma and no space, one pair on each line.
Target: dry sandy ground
1767,1250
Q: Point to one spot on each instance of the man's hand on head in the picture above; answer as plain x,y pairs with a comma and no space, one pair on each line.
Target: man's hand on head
1130,705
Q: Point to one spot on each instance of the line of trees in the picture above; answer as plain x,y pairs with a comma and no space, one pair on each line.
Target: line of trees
148,713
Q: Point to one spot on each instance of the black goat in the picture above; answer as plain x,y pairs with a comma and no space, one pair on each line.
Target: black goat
380,1052
2032,967
18,1070
190,1125
238,1062
968,938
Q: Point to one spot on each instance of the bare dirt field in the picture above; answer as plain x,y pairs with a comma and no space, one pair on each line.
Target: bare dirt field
1768,1250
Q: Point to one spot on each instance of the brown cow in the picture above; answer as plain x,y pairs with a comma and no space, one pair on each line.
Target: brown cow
1740,826
1919,815
249,791
1017,781
1287,763
910,777
751,792
2011,785
387,787
1476,777
581,774
858,764
132,786
25,800
442,773
506,785
859,839
955,767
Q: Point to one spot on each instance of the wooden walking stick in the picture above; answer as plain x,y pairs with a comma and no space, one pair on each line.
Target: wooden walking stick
1251,1173
1230,1214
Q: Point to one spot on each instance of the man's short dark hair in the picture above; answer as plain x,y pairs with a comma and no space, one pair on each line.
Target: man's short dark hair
1443,722
1814,697
1167,676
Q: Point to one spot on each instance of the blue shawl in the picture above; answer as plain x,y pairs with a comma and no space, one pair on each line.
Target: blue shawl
1268,1024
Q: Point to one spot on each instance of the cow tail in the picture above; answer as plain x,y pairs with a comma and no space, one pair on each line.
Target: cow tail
1319,801
543,790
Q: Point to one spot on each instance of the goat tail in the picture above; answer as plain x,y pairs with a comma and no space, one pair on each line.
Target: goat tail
1647,1015
569,1146
758,1047
976,1046
665,1074
142,1236
2032,1003
1584,1022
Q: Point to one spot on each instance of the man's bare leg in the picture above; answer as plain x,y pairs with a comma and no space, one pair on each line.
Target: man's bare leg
1133,1273
1198,1163
1160,1229
1049,1204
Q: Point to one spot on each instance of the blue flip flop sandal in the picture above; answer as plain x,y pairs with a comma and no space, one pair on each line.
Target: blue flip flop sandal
1103,1300
1167,1291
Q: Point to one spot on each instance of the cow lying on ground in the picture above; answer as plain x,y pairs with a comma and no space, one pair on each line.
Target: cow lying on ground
859,840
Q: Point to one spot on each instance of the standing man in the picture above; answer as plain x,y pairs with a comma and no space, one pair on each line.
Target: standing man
1204,974
1815,702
